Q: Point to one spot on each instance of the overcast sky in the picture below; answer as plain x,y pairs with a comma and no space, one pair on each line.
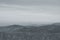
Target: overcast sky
19,11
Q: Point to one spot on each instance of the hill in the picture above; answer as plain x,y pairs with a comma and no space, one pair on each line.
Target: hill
19,32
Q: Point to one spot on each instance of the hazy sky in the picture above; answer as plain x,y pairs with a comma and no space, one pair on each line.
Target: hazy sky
18,11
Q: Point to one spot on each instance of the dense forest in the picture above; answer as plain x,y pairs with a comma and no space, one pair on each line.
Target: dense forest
19,32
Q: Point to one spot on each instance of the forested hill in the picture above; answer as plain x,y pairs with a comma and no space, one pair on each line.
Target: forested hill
19,32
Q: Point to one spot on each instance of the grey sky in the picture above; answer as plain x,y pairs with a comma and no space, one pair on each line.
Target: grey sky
17,11
32,2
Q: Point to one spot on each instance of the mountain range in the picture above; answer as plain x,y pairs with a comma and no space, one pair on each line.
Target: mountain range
20,32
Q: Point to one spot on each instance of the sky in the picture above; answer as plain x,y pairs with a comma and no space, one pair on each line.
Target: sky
29,11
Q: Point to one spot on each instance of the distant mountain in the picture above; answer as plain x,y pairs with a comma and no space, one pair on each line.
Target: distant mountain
15,28
10,28
52,28
19,32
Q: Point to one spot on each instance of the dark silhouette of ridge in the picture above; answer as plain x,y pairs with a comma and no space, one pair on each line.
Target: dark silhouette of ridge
20,32
15,25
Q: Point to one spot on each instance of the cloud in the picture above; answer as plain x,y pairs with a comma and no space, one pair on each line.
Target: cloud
34,9
32,2
16,11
